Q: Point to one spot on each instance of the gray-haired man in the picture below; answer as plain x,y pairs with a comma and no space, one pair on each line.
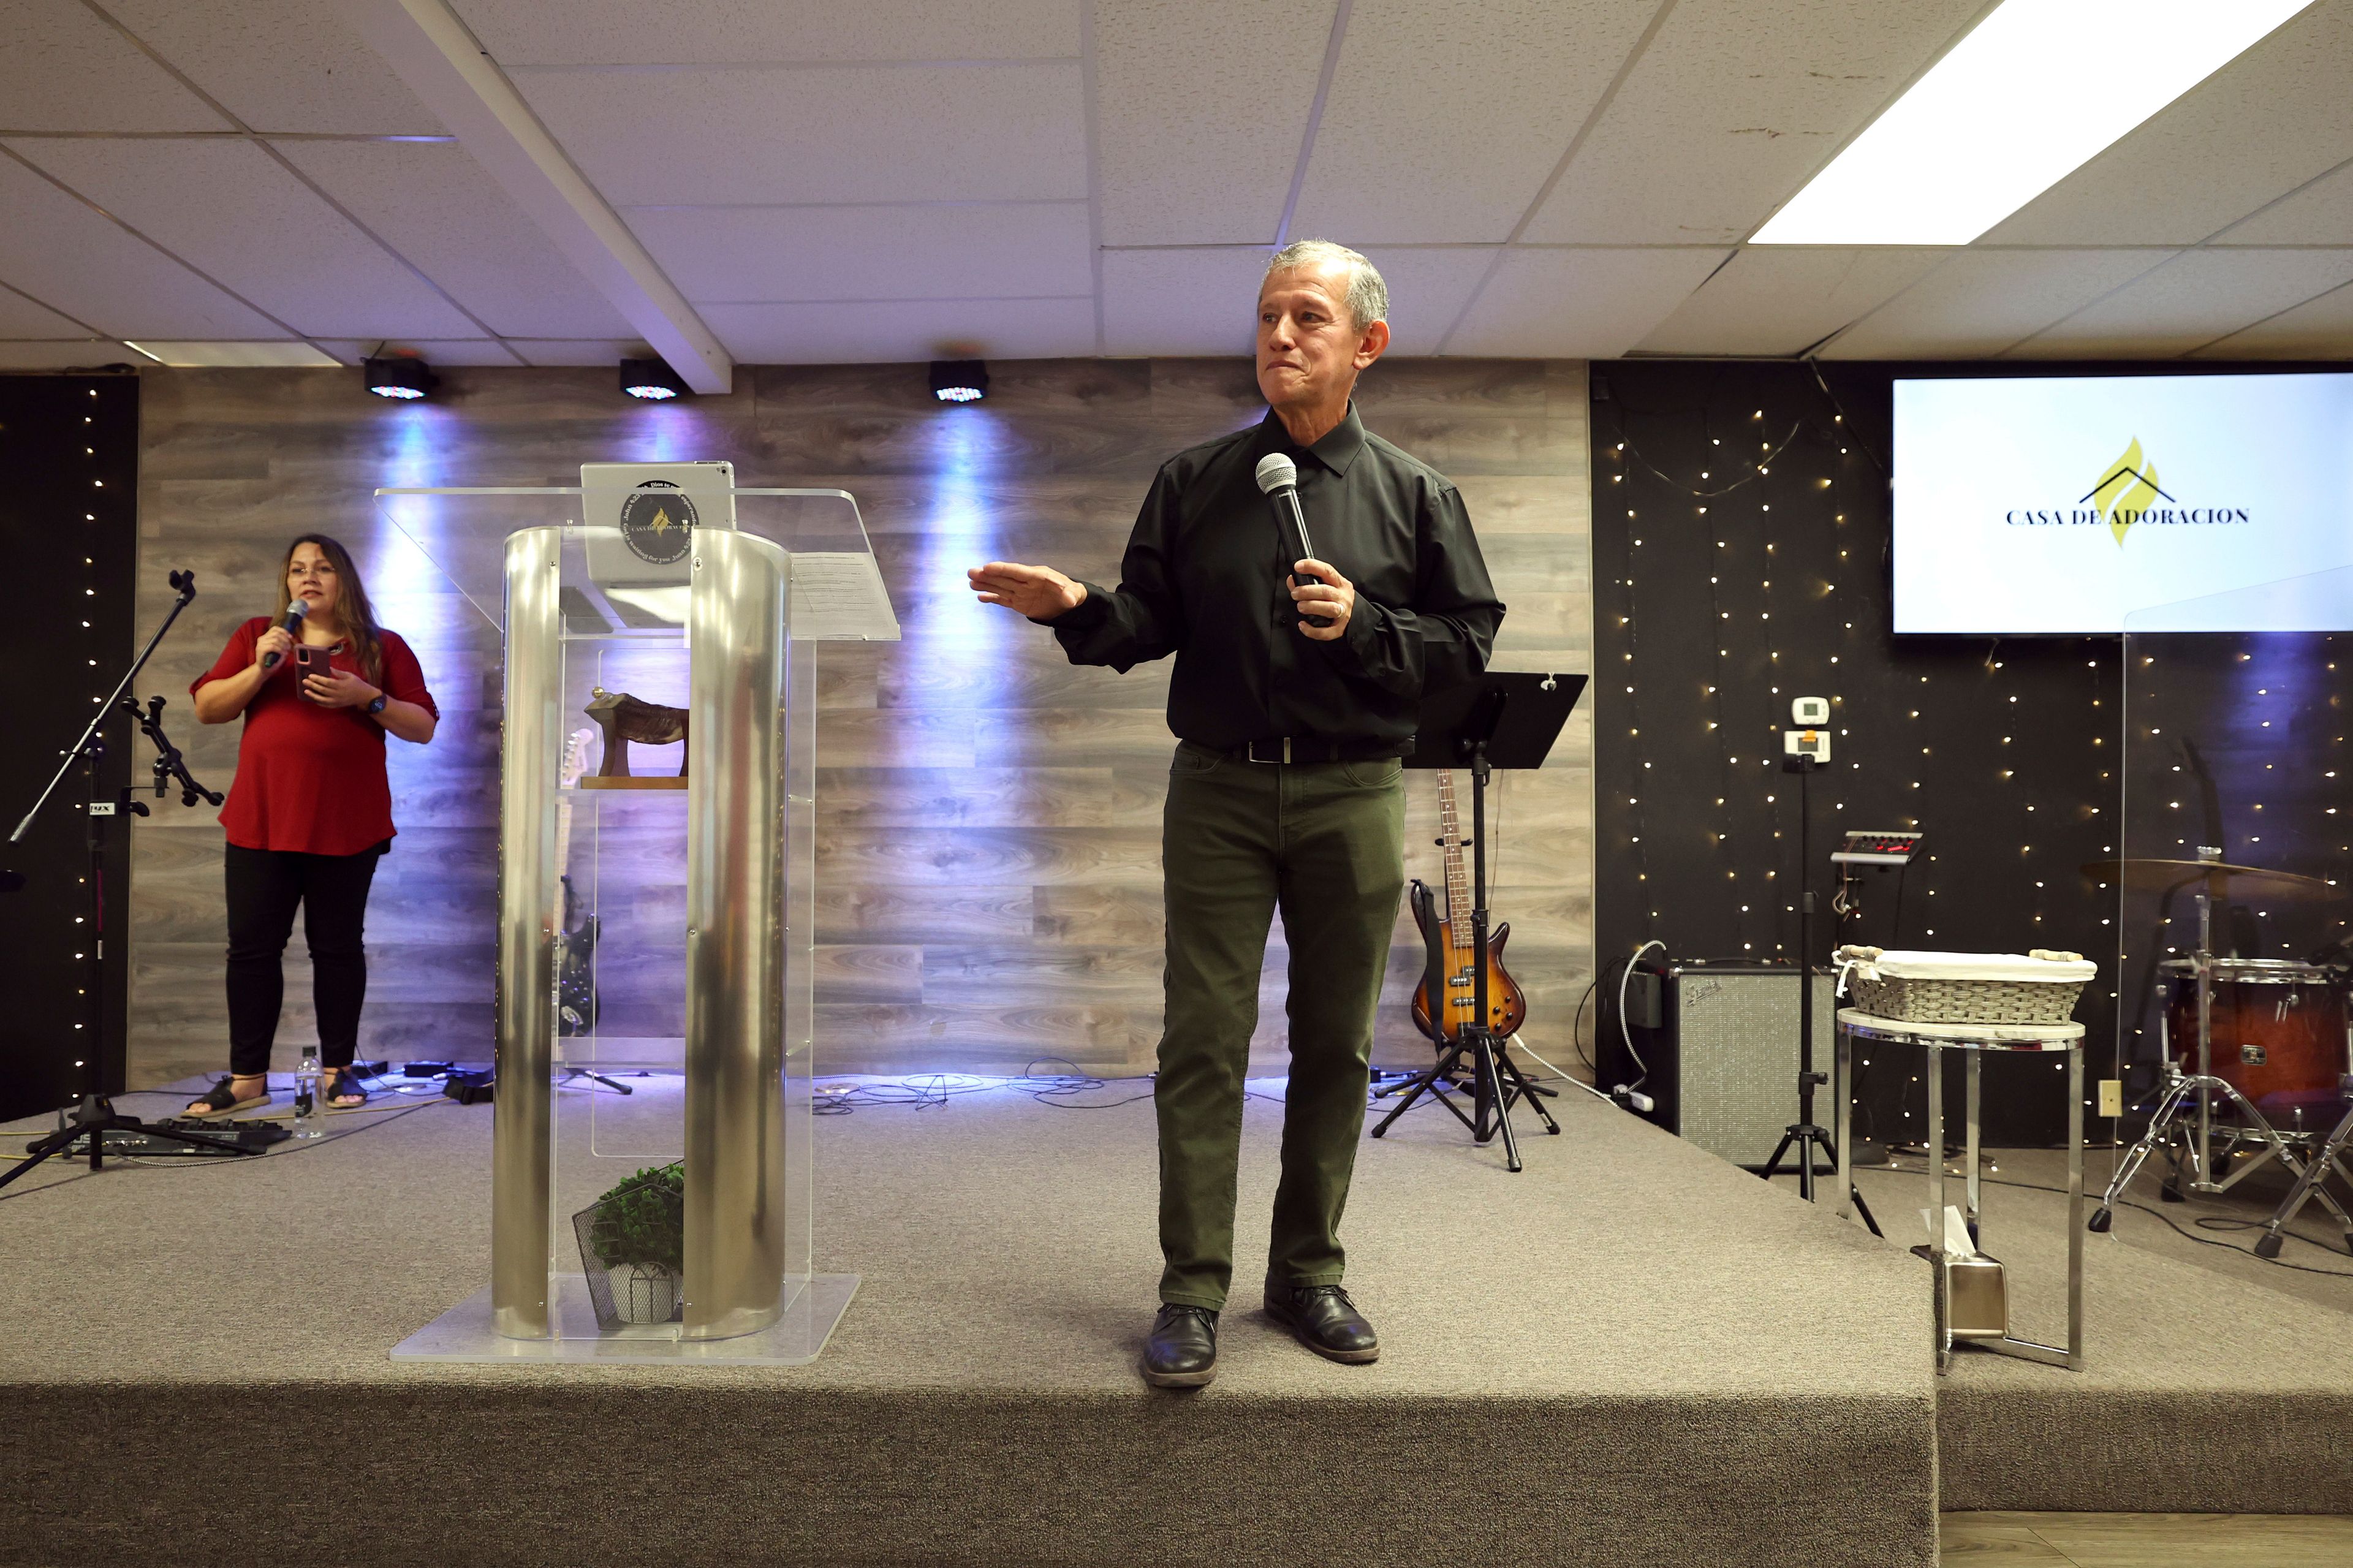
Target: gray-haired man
1294,697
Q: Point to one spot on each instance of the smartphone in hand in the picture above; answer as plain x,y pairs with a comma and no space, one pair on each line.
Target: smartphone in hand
309,661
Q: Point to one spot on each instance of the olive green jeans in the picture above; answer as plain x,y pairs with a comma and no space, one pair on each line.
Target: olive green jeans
1324,842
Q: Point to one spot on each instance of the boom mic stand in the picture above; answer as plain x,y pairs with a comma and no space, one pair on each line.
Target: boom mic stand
95,1117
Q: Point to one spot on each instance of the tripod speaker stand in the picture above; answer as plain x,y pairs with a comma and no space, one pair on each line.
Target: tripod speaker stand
1500,721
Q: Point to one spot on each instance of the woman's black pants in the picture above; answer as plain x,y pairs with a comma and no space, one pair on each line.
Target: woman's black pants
264,886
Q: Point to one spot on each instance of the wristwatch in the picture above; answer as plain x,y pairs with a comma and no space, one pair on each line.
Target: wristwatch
377,707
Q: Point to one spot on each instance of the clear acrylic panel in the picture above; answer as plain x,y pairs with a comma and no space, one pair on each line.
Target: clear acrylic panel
620,806
2233,774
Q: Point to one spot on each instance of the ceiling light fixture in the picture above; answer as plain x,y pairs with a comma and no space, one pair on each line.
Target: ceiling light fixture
404,378
652,379
959,380
2037,89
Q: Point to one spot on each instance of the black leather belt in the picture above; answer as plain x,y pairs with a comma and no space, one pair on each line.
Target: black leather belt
1291,749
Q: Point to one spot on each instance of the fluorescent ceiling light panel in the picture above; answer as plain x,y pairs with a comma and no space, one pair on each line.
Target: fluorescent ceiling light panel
2037,89
237,355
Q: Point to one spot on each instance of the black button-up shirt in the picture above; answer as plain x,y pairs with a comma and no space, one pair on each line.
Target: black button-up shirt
1207,578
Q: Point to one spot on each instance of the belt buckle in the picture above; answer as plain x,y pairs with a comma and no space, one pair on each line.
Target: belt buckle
1252,752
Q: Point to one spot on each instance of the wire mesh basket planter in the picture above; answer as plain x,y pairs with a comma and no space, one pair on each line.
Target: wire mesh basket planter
633,1247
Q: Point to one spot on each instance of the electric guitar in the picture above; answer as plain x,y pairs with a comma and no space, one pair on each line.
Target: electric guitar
576,943
1443,1018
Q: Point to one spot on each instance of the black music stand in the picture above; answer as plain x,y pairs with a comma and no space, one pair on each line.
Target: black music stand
1502,719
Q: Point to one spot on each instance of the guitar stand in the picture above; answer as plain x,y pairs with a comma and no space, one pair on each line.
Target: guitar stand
573,1073
1459,727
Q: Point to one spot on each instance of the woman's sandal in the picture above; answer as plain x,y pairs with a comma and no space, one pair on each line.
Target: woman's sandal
346,1083
221,1101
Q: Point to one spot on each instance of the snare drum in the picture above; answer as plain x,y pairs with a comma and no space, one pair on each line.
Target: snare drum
2279,1031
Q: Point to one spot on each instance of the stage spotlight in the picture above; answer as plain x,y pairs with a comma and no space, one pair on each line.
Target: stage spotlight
959,380
401,378
652,380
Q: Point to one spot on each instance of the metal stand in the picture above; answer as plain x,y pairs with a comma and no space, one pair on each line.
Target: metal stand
1976,1040
2196,1138
1805,1136
1466,724
2327,1158
1497,1081
96,1115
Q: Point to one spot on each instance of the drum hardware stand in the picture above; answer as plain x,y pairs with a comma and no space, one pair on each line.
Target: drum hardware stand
1804,751
2180,1087
95,1115
1454,727
2310,1184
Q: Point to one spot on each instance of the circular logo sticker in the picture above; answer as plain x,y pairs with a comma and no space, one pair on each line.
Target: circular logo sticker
658,524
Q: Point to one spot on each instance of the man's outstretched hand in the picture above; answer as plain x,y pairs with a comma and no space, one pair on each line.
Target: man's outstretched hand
1039,593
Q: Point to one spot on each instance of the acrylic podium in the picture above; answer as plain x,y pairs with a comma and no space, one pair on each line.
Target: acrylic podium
651,1176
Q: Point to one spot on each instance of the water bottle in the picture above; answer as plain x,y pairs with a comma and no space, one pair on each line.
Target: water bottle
310,1120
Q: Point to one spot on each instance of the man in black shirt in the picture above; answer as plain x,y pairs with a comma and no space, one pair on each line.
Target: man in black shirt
1294,694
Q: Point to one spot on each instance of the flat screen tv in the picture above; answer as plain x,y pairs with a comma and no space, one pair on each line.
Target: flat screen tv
2063,504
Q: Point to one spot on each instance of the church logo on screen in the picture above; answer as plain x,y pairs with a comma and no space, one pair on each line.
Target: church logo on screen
2128,491
658,524
2127,495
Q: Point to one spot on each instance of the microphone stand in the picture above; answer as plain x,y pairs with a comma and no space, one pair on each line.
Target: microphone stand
95,1117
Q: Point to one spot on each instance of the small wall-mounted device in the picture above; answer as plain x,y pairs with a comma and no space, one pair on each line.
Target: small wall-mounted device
1810,712
1813,745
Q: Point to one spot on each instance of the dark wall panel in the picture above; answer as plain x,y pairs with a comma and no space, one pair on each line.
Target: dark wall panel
69,530
1741,534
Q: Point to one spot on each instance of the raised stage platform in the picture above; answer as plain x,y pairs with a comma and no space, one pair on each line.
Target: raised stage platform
1631,1354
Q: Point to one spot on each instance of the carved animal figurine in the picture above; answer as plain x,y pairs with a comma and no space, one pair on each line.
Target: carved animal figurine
625,719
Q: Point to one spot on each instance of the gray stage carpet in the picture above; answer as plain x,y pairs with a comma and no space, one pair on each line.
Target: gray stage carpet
1631,1354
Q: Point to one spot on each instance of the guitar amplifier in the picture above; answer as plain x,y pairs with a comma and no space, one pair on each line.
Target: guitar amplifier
1722,1061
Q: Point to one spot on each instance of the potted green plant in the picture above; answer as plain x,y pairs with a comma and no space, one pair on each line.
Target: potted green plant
637,1234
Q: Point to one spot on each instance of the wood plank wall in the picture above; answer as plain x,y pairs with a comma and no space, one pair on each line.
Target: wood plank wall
988,816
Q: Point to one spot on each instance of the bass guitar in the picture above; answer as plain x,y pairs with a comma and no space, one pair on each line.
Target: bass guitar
1442,1018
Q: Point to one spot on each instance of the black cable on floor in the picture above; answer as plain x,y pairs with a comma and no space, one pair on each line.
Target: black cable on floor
2218,1222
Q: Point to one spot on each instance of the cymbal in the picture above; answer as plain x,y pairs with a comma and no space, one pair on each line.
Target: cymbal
2147,875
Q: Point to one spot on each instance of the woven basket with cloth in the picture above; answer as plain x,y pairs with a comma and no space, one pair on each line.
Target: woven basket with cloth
2037,988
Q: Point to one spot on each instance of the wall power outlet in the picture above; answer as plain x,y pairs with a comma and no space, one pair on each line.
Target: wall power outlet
2111,1097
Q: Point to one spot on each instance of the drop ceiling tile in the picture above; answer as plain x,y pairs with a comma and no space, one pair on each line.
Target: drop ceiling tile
209,353
1732,109
903,332
63,69
57,248
1578,304
60,354
447,350
931,250
280,65
231,210
573,351
1200,106
728,32
2261,126
885,133
1446,116
1428,289
24,318
2319,214
1978,302
2317,328
1778,299
1182,302
432,202
2196,298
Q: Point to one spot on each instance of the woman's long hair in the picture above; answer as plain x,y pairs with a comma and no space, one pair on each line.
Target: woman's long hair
352,606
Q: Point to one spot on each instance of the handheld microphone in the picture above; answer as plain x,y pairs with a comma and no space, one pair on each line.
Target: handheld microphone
295,611
1278,478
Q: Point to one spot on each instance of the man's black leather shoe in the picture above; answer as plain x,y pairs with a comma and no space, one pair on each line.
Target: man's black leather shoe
1182,1351
1321,1317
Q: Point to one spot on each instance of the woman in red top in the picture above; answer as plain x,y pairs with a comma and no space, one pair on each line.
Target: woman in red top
310,808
